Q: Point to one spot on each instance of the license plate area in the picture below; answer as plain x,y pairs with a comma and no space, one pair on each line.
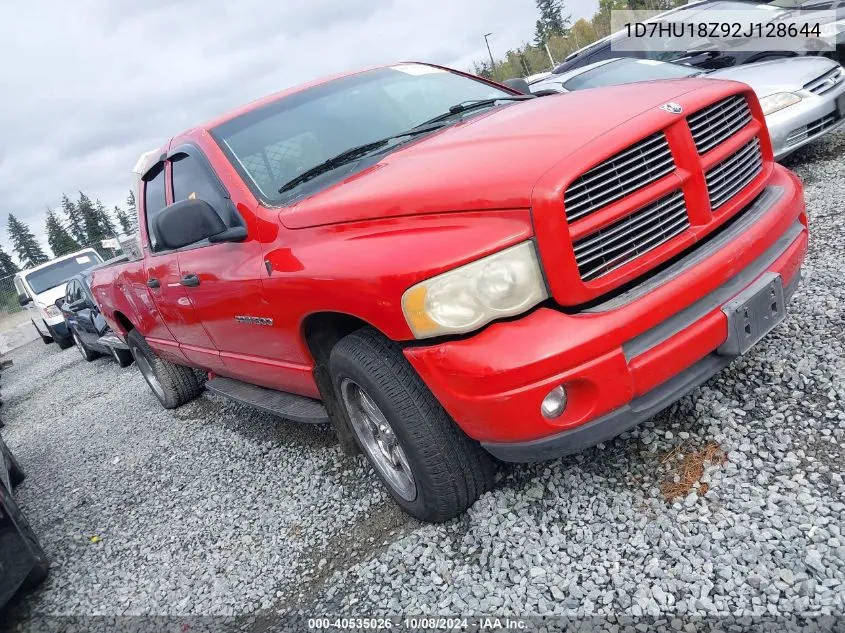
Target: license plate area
753,314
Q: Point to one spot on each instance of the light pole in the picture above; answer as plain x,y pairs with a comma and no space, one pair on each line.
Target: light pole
492,63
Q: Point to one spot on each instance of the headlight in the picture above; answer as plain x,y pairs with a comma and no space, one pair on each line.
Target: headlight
464,299
51,311
778,101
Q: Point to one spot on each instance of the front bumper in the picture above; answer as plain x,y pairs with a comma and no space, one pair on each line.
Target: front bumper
621,361
799,124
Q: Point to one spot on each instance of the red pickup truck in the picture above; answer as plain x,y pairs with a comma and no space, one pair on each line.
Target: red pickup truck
446,269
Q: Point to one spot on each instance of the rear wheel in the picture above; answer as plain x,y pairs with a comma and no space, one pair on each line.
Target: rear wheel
431,468
123,357
172,384
87,354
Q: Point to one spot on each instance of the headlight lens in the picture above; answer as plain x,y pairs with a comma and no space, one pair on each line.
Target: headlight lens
464,299
51,312
778,101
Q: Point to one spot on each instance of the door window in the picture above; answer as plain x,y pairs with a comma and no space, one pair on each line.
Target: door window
191,180
154,199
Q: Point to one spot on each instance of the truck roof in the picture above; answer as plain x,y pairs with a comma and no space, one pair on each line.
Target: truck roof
25,272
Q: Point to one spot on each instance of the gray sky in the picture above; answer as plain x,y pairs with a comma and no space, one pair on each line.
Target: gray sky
89,85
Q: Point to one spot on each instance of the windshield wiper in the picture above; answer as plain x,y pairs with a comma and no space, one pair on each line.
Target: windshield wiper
352,154
466,106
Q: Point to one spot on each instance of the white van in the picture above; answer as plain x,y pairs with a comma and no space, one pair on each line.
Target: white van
39,287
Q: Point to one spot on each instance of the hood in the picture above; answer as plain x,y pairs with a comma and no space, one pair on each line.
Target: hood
48,297
490,161
778,75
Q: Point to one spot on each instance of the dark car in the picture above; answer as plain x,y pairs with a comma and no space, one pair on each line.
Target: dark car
86,324
705,53
23,563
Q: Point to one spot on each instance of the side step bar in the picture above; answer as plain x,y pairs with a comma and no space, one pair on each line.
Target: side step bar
286,405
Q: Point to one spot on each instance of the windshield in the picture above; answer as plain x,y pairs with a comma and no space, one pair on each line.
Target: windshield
623,71
59,272
275,143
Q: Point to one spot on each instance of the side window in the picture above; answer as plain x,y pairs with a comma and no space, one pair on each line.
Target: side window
71,292
154,199
191,180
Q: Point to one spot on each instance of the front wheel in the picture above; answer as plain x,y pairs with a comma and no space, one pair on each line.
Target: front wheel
431,468
44,339
172,384
87,354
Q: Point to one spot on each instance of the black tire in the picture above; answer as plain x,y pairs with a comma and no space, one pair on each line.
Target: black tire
123,357
177,384
87,354
40,563
16,472
64,342
450,470
44,339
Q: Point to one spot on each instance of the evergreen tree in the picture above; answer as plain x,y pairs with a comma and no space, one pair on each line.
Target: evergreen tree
132,212
123,220
75,224
551,22
60,241
7,265
90,221
25,245
106,223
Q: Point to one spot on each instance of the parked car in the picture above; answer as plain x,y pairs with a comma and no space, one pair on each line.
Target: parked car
86,324
39,287
802,98
448,270
705,53
23,563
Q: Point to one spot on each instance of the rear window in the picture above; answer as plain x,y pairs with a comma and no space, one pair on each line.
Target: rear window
625,71
59,272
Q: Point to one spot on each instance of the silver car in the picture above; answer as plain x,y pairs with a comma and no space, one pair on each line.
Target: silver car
803,98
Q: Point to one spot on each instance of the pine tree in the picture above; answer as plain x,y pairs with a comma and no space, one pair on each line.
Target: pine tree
551,22
75,224
7,265
60,241
105,222
90,221
132,212
25,245
123,220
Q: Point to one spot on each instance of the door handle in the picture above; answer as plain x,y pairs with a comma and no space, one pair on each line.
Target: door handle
152,282
192,281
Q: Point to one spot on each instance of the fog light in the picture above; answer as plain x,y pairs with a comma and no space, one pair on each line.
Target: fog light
554,403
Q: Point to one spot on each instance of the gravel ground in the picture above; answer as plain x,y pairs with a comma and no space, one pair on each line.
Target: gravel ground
217,509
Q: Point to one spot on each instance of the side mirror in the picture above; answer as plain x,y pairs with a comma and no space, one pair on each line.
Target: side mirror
60,302
518,84
24,299
188,222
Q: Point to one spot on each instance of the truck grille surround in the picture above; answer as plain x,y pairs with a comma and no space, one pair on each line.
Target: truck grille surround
603,246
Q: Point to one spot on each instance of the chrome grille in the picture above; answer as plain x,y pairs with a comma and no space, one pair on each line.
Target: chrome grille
728,177
717,122
826,82
623,241
811,129
619,176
